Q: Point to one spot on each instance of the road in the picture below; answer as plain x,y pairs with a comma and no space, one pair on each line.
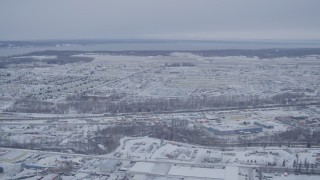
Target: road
59,116
171,162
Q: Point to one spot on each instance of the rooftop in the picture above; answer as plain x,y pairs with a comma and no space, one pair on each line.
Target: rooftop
151,168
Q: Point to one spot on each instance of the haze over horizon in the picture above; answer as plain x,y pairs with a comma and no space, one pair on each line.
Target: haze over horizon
165,19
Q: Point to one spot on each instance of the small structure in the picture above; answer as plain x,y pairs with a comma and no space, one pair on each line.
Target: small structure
318,159
109,165
264,125
212,117
212,159
1,169
33,166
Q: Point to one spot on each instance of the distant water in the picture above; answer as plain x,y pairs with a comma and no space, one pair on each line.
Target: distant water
175,46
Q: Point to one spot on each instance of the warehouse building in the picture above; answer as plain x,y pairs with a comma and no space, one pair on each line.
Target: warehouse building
187,172
109,166
222,130
148,170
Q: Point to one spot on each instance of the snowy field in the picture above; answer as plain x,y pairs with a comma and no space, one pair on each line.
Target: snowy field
100,115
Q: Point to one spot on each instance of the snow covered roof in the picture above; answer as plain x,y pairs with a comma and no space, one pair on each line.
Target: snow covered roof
140,177
110,163
229,173
50,176
185,171
211,116
150,168
163,169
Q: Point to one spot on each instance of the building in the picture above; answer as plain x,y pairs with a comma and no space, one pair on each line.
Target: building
196,173
51,177
140,177
232,127
222,130
264,125
148,170
33,166
109,166
212,159
212,117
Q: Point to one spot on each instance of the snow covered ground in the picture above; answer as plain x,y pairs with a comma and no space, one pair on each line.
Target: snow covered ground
171,155
57,110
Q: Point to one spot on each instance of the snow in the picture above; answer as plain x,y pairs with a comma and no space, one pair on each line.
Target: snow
184,171
295,177
212,76
38,57
231,173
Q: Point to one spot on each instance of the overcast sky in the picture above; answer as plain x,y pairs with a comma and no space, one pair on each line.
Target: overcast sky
159,19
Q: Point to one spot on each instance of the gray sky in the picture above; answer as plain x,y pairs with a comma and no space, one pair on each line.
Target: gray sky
159,19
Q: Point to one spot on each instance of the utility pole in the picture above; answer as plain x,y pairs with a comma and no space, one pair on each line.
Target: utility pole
172,128
260,173
250,174
297,156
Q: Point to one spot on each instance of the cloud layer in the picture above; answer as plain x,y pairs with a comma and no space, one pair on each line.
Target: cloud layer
166,19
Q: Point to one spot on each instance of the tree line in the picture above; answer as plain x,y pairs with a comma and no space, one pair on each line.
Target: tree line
120,103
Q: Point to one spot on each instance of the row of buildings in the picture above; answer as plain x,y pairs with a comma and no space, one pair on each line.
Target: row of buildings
236,129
